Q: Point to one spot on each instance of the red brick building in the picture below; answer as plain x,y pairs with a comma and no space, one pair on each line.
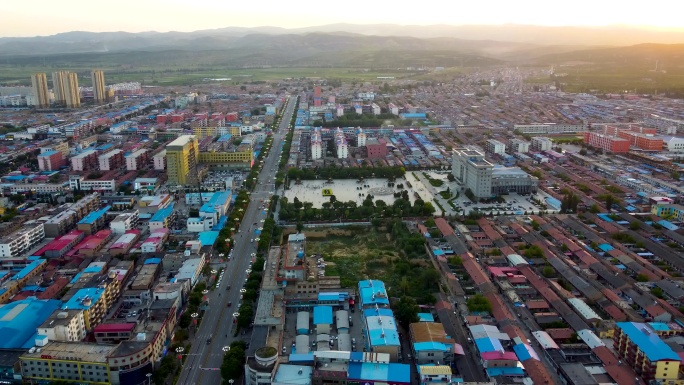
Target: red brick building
605,142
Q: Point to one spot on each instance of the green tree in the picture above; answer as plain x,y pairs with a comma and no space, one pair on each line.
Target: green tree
634,226
406,311
479,303
642,278
548,271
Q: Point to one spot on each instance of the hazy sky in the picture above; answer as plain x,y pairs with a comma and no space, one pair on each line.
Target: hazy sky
46,17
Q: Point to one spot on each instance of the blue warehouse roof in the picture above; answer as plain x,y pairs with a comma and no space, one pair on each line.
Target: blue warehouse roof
19,320
485,345
379,372
94,216
430,346
373,292
162,214
322,315
525,352
208,238
650,343
503,371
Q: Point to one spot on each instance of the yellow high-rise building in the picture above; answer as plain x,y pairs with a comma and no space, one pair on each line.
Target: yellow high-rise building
72,94
182,156
99,94
40,90
58,82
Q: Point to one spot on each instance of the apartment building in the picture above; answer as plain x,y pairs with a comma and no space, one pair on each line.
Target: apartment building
64,325
99,90
79,183
549,128
643,350
72,93
62,147
58,82
21,241
111,160
50,161
642,141
242,156
37,188
124,222
608,143
40,90
493,146
85,161
182,156
541,143
136,160
518,145
159,160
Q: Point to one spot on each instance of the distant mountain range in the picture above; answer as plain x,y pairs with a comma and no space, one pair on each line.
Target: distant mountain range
358,45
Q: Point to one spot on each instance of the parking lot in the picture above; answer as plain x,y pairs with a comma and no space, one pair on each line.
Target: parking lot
514,203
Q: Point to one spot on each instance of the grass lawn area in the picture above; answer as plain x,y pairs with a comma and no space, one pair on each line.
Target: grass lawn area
372,254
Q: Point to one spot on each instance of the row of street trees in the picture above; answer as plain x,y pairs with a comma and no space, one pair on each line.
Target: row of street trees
334,172
334,209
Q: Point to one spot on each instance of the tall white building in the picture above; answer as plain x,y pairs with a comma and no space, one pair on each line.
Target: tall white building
518,145
316,145
341,145
541,143
136,160
160,160
473,171
493,146
124,222
361,138
15,244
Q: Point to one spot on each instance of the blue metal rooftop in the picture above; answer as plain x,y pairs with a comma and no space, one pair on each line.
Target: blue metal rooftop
372,292
19,320
333,296
94,216
488,345
162,214
648,341
28,269
504,371
525,352
80,299
430,346
379,372
322,315
208,238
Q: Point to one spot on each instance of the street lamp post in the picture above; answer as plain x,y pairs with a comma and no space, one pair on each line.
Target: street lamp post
194,319
149,378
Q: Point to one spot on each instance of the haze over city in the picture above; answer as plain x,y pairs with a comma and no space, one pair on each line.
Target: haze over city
32,18
308,193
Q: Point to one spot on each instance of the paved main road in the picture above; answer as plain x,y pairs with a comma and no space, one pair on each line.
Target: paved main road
205,358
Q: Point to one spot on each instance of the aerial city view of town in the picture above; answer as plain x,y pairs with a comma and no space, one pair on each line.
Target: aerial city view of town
414,211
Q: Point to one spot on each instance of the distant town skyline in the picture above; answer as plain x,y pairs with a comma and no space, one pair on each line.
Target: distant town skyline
39,17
